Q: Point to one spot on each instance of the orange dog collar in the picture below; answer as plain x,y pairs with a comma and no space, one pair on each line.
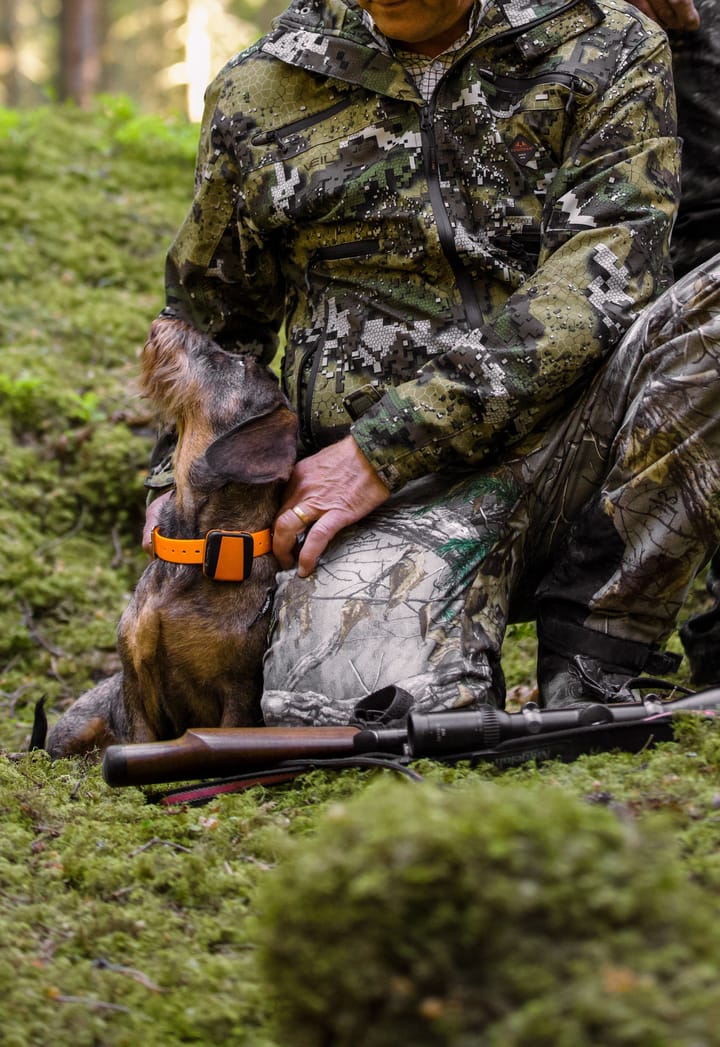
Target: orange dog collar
226,556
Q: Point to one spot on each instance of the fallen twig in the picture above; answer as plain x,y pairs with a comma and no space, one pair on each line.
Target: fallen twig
89,1001
130,972
158,842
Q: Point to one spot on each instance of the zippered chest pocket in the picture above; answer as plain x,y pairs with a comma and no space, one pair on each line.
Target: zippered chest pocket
534,115
343,163
313,130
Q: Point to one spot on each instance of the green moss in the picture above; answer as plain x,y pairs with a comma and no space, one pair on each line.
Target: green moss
486,914
88,205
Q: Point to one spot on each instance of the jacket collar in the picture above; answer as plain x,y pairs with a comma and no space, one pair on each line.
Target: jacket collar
332,38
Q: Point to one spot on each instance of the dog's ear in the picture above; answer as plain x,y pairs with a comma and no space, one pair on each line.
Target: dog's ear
261,450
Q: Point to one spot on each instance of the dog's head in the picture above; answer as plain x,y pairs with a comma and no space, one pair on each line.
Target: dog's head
234,424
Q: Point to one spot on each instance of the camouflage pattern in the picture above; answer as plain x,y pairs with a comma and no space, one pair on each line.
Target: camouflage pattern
603,519
451,270
696,238
696,67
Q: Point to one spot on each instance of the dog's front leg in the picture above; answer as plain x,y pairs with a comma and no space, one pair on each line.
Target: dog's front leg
242,707
142,655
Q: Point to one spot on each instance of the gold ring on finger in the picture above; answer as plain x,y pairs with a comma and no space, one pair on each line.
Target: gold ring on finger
301,515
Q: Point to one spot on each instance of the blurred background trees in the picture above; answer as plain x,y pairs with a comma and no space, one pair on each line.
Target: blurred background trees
162,53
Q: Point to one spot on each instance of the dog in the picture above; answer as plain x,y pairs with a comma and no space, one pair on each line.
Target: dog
190,641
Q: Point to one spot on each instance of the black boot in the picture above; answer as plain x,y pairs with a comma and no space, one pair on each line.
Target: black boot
700,635
578,665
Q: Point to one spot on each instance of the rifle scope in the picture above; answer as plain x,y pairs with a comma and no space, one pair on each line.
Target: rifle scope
440,734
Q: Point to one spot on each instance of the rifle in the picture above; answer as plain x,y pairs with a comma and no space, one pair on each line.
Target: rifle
478,735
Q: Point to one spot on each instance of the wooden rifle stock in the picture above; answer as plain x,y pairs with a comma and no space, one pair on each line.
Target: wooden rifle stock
217,751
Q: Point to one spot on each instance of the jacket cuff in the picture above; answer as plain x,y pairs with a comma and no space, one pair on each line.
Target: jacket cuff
390,435
161,474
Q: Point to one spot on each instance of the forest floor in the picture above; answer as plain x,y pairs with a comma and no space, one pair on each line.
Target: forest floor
123,921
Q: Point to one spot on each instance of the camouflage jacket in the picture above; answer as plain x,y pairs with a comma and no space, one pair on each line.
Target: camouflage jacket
447,273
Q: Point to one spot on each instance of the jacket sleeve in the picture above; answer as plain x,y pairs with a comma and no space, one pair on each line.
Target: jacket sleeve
604,256
220,276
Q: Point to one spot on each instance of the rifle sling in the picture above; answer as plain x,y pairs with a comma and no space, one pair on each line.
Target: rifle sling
281,773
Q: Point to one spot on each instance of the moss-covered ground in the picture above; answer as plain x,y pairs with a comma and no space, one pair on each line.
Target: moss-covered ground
121,921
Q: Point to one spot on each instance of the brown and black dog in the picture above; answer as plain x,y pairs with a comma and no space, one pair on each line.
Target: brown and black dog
191,646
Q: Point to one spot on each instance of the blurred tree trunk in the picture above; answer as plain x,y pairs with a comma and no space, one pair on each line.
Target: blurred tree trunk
9,78
80,43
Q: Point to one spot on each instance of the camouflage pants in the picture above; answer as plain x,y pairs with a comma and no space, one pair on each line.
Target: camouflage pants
605,517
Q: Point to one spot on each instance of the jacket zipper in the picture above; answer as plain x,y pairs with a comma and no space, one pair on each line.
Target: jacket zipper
463,278
306,427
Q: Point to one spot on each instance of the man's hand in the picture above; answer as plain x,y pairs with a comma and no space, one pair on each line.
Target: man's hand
671,14
152,514
329,490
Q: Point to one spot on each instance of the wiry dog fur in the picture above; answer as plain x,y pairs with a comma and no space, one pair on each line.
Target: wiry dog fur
191,648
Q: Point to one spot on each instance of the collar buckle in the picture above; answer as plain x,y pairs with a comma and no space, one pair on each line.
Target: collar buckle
228,555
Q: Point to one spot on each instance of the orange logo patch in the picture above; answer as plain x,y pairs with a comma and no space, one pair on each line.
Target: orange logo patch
522,149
